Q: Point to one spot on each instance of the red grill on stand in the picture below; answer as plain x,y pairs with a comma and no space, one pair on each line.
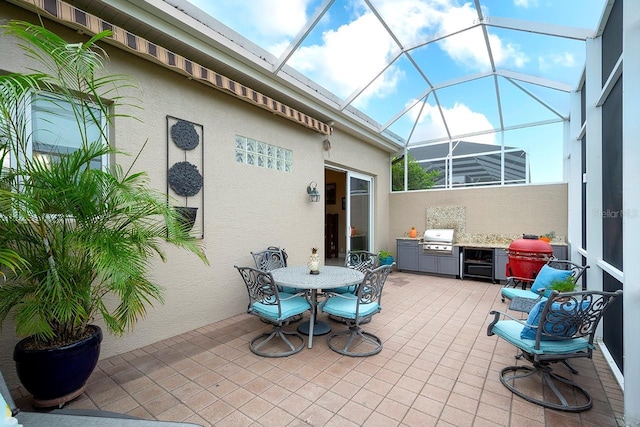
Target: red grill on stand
526,258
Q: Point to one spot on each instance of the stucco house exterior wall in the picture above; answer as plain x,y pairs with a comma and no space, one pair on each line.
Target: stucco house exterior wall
246,208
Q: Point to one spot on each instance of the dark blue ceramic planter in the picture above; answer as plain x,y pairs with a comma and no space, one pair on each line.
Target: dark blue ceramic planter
55,376
386,261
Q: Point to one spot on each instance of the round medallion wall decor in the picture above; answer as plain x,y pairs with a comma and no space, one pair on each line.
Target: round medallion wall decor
184,135
185,179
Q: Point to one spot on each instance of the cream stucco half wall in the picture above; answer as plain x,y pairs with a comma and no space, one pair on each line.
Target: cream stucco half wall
508,210
246,208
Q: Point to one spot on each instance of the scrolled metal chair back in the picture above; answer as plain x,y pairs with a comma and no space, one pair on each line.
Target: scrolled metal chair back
270,259
361,260
574,314
370,289
260,286
577,270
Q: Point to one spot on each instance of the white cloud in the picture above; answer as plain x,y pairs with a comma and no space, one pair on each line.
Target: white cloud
460,119
525,3
349,56
385,86
269,23
468,48
565,59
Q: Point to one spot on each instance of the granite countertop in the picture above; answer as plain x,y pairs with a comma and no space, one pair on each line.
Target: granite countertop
482,245
487,240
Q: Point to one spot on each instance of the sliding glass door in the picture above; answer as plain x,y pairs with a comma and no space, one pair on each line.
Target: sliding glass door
359,212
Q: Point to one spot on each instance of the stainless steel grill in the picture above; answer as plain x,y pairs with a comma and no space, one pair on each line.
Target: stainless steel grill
438,240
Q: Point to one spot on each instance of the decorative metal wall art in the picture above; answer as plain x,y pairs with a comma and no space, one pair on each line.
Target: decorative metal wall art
185,172
185,179
184,135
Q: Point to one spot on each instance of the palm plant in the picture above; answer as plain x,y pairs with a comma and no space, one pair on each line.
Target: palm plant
87,235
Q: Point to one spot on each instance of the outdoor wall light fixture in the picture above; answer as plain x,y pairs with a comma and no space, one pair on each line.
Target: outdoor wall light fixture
312,191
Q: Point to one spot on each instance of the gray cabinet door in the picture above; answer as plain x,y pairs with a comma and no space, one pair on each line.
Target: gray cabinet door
407,255
448,265
560,251
428,263
500,259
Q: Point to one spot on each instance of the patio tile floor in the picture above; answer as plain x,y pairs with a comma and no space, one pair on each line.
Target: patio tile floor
438,368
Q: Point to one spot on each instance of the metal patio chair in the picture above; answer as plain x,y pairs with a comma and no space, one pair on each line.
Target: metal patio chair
276,308
554,269
361,261
271,258
354,308
558,329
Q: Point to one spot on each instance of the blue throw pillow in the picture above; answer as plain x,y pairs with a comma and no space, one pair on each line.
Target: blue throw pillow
558,321
546,276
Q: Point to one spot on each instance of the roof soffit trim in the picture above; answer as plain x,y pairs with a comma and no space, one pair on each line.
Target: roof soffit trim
78,19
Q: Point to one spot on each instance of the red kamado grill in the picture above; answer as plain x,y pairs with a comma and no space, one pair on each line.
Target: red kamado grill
527,256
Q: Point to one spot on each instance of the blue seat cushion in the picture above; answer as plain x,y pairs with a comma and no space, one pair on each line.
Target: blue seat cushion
558,323
346,307
288,290
291,306
545,277
344,289
510,330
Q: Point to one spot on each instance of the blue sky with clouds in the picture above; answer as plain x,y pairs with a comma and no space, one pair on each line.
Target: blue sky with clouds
349,47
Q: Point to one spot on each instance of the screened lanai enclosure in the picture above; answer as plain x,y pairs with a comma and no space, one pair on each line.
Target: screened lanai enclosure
478,90
481,105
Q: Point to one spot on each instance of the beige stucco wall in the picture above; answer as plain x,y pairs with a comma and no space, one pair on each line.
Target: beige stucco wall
531,209
246,208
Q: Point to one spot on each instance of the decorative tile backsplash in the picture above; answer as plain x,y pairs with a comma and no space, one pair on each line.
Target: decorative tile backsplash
454,217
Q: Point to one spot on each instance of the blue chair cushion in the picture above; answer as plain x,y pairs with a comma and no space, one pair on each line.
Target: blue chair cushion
556,324
344,289
545,277
510,330
346,307
290,307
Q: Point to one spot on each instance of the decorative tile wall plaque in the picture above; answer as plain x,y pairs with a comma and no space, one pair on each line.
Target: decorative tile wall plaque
454,217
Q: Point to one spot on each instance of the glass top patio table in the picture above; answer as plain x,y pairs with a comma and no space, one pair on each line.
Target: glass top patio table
330,277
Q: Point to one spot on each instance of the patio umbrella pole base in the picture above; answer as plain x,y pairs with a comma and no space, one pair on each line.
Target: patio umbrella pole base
319,328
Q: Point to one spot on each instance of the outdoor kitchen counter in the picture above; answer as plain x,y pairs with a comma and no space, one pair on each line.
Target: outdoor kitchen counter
411,258
495,245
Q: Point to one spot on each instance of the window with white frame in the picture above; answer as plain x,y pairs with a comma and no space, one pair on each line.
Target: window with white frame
57,130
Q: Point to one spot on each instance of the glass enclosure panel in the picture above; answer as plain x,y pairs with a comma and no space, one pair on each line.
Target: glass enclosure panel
538,151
